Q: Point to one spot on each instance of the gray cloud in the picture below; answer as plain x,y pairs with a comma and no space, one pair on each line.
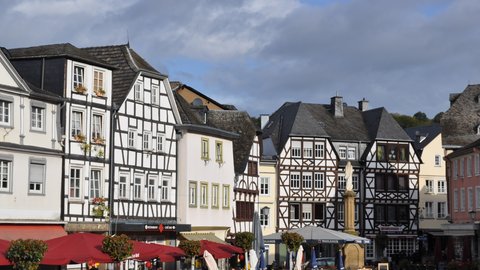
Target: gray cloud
406,56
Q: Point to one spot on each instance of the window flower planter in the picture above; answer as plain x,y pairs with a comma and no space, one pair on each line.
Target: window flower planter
79,137
100,209
99,92
80,89
98,140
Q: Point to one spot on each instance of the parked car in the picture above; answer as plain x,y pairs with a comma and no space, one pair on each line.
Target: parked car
323,263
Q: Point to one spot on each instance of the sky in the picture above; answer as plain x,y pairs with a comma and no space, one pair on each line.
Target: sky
406,56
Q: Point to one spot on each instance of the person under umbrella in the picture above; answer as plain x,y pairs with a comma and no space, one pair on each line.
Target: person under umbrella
339,259
314,263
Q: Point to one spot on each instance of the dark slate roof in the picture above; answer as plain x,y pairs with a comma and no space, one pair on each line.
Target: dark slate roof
66,50
317,120
41,94
238,122
127,65
382,126
465,149
188,113
460,121
423,135
178,85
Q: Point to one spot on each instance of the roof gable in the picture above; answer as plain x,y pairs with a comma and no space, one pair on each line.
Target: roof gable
382,126
9,78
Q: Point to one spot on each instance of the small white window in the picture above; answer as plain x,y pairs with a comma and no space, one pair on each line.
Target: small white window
341,182
192,194
307,212
155,95
203,194
137,187
132,135
5,112
215,195
342,151
306,180
165,195
351,153
428,186
147,140
296,151
78,77
264,185
77,124
37,176
307,149
138,92
295,180
226,196
123,184
442,186
428,209
318,181
160,142
340,211
152,188
38,118
75,183
438,160
319,150
95,184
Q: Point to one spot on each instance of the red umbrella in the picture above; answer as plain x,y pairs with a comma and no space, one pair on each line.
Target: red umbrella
76,248
145,252
219,250
4,245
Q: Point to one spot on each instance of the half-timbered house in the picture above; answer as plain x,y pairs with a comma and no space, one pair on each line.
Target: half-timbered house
30,158
144,155
85,84
314,142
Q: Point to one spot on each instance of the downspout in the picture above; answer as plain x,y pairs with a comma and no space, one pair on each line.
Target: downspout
111,169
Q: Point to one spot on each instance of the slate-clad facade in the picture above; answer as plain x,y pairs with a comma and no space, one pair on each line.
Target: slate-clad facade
314,142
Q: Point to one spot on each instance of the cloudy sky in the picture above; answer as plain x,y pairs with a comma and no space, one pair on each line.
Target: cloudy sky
406,56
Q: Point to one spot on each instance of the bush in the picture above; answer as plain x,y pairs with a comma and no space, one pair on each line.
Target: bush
244,240
190,247
118,247
292,240
26,254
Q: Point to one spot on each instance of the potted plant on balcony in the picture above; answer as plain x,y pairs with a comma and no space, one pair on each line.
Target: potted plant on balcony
80,89
100,208
99,92
98,140
79,137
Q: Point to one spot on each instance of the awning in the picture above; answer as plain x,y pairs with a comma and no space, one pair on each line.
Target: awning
39,232
197,236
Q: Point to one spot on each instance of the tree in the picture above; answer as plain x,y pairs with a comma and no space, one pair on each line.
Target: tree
420,116
26,254
191,249
293,241
118,247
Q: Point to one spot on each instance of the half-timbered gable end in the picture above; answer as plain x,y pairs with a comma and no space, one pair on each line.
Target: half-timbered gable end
30,157
144,150
85,83
315,142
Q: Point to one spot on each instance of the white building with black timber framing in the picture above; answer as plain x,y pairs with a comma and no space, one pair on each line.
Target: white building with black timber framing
144,156
314,142
85,84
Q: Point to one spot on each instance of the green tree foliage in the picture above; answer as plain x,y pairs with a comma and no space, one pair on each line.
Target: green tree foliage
190,247
292,240
26,254
118,247
418,119
244,240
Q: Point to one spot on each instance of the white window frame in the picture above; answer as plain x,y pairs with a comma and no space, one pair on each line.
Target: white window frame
137,92
76,123
428,209
307,149
123,187
78,77
215,195
37,117
98,80
307,212
296,151
319,180
192,194
204,151
95,183
226,196
342,152
97,126
155,95
441,209
165,190
429,186
342,182
75,184
203,194
147,141
438,160
307,180
138,187
6,112
219,151
340,211
355,181
319,150
36,183
351,153
152,184
295,180
132,138
292,211
265,186
442,186
160,142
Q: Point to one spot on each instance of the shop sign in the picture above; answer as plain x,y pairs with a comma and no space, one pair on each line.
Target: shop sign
160,228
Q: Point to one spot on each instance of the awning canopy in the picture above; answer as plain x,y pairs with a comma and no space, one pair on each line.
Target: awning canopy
40,232
197,236
319,235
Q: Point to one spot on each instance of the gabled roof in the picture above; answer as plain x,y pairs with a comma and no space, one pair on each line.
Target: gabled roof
423,135
237,122
66,50
128,64
314,120
179,86
382,126
464,150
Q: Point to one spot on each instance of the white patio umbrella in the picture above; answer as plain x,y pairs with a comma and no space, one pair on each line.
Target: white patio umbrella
319,235
210,261
299,259
253,259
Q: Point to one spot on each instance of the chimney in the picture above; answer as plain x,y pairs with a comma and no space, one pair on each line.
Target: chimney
363,105
336,104
264,120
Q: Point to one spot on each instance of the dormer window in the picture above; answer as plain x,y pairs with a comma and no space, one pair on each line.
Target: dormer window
78,77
